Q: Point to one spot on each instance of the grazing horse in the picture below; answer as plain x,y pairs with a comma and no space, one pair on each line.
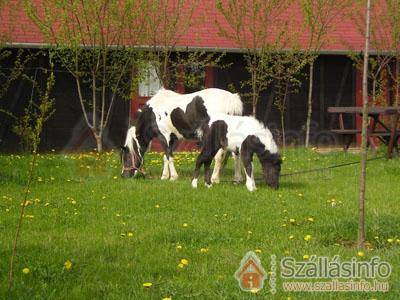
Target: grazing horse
161,118
244,136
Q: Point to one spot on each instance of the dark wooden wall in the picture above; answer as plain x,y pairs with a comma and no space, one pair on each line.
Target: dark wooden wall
334,81
65,130
333,86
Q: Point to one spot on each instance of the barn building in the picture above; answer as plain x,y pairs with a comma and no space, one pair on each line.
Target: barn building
336,83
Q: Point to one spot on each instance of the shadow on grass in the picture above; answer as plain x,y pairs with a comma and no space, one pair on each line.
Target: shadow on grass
290,185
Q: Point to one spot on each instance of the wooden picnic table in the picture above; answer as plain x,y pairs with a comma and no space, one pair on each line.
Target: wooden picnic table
388,134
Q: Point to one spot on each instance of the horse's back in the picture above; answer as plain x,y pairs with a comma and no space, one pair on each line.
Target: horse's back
215,100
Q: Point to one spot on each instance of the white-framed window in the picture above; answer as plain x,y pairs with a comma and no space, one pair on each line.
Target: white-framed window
150,83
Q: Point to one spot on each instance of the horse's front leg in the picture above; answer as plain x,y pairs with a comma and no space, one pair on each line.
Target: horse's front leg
172,170
238,172
165,174
219,158
249,170
168,142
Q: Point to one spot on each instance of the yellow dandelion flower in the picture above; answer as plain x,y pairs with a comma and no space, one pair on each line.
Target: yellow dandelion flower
310,219
130,234
306,256
115,177
68,265
204,250
254,290
185,225
180,266
157,206
292,221
360,254
179,247
308,238
147,284
26,271
390,241
166,298
291,237
258,251
300,194
184,261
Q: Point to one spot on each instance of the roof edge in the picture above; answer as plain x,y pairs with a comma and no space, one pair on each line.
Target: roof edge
194,48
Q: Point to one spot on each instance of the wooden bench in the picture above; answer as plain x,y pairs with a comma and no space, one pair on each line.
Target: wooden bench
387,135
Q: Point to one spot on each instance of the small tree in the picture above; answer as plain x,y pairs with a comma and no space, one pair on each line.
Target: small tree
384,62
32,122
361,200
385,34
258,27
320,16
89,39
287,72
167,22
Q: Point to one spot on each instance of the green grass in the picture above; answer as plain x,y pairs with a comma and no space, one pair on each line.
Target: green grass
83,212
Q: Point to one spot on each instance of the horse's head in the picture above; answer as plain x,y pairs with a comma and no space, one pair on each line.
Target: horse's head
138,141
131,155
271,164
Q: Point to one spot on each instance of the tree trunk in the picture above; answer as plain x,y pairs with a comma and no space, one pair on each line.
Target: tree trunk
99,141
361,200
309,111
397,97
374,91
253,87
283,130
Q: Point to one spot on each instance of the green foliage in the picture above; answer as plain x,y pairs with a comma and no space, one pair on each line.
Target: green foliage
250,25
167,21
91,39
29,126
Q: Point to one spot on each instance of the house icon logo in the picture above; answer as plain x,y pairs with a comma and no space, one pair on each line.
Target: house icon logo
251,274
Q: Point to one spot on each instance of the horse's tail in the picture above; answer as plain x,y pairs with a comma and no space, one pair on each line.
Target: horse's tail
235,105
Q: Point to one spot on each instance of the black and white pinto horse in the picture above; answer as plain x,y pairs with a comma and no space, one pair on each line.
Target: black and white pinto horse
244,136
170,116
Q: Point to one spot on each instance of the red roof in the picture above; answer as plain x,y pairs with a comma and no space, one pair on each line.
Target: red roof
342,37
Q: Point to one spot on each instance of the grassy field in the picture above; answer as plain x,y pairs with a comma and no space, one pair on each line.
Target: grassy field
89,234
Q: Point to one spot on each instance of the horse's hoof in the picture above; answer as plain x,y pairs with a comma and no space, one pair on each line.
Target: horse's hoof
208,185
173,178
251,188
194,183
164,177
214,179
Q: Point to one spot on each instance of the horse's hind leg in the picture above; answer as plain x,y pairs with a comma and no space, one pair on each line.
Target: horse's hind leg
238,172
219,158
